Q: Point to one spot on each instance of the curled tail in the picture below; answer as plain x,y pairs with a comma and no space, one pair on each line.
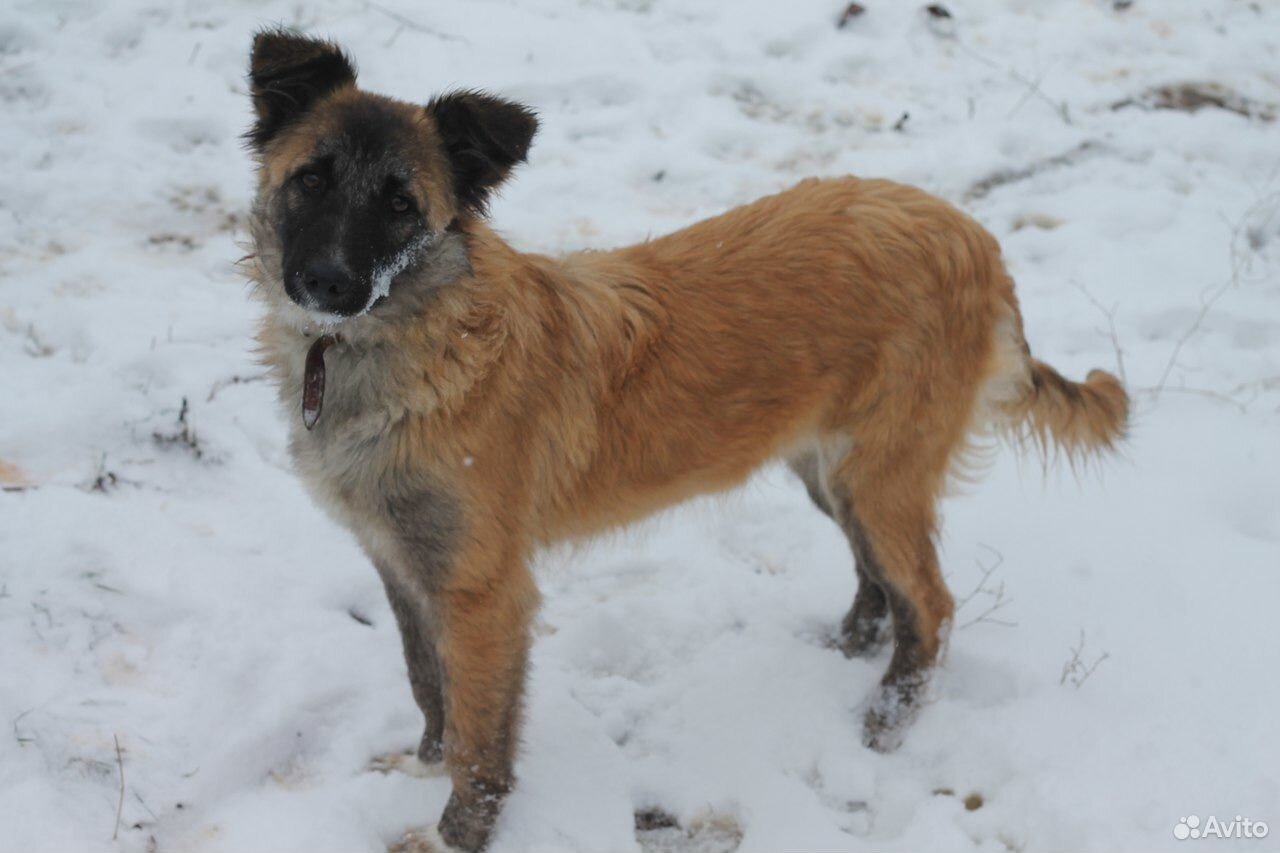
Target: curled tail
1035,401
1079,417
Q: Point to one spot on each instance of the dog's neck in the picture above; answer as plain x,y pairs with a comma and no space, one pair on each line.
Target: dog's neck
419,355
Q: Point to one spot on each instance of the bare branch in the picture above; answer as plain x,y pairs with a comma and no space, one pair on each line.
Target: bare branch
18,736
1033,86
1211,296
233,380
414,25
1110,314
120,807
993,596
1200,392
1075,670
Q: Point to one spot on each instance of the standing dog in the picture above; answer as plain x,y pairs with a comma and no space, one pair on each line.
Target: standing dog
458,404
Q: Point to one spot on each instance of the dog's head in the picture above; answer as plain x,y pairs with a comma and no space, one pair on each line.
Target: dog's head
356,189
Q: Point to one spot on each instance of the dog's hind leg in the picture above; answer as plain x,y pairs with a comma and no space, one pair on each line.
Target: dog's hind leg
418,637
865,628
885,500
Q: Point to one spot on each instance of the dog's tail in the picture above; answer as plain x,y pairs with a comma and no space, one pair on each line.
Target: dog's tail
1079,417
1038,402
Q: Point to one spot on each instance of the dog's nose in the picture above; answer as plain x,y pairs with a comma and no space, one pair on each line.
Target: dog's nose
328,284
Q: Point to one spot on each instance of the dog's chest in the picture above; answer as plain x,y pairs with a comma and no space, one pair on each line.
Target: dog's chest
353,461
344,457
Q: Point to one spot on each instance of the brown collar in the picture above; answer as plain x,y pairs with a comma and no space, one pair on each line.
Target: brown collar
313,380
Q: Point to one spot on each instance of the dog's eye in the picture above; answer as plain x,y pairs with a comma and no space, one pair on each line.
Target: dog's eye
400,204
311,182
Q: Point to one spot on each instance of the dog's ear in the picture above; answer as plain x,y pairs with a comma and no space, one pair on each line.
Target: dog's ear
484,138
288,73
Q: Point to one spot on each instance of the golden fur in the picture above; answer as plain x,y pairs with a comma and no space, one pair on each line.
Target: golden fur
862,330
603,386
562,398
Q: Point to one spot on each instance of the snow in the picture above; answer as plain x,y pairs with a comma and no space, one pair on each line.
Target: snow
383,275
164,581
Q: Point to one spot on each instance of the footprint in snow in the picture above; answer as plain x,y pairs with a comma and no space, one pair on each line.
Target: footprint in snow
406,763
660,832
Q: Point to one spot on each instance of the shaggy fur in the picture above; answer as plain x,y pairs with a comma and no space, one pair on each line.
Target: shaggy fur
497,402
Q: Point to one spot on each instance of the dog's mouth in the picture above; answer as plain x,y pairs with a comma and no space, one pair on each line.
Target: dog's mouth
330,320
312,314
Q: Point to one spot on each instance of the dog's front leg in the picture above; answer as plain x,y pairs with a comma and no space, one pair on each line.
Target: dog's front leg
483,650
418,634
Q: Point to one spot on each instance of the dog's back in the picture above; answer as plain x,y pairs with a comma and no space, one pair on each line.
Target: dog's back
863,311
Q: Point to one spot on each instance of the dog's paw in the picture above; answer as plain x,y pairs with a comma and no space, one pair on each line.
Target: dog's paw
431,748
406,763
426,840
890,714
880,734
864,638
866,628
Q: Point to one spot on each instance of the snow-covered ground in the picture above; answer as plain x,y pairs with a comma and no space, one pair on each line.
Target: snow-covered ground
166,585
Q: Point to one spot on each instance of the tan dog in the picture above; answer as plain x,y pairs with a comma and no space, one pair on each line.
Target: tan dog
459,404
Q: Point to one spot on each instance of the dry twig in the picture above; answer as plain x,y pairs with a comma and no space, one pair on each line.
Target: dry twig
120,807
993,594
1210,298
1110,314
1075,670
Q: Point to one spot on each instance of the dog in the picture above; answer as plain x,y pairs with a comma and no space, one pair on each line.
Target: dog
459,405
